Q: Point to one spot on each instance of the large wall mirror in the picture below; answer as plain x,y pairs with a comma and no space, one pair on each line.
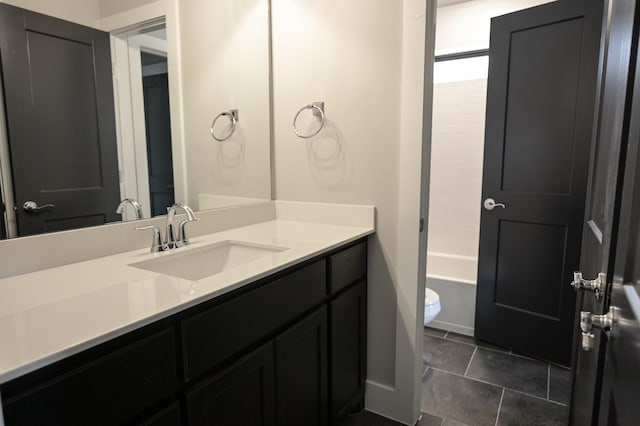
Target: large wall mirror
114,110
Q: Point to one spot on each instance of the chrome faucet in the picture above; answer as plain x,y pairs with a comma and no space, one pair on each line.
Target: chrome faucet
133,203
179,240
172,240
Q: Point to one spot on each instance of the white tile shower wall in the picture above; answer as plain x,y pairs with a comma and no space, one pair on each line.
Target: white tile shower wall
465,26
456,167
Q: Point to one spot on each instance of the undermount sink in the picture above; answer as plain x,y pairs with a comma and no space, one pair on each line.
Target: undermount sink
198,263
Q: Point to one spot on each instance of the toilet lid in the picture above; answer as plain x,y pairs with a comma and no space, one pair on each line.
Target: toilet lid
430,297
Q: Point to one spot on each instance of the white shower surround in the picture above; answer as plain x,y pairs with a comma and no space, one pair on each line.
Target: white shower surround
453,277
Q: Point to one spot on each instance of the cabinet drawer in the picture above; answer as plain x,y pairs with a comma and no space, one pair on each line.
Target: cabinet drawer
111,390
223,331
347,267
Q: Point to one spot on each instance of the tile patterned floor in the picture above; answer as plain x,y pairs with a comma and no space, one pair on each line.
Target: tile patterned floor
467,382
472,383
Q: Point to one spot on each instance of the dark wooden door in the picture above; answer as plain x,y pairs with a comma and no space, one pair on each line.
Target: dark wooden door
618,396
302,387
159,156
241,395
60,121
602,205
540,104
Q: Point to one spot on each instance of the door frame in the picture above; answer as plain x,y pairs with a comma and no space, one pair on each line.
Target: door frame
129,106
124,24
6,180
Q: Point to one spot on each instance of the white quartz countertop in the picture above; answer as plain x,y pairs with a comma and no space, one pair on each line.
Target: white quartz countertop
48,315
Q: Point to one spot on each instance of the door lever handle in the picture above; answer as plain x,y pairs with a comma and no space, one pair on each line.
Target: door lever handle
33,207
491,204
590,321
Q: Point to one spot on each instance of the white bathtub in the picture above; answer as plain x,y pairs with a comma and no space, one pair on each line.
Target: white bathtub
454,278
452,267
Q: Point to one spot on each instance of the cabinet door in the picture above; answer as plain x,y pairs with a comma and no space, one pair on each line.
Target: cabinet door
302,375
227,330
241,395
110,390
170,416
348,345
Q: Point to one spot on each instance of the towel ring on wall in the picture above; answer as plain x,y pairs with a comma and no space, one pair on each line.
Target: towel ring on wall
232,114
318,111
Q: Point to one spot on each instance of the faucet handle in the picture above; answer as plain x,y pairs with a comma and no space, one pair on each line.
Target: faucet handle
182,233
156,244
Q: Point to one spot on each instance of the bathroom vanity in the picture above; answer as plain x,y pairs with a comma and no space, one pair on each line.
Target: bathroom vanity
280,340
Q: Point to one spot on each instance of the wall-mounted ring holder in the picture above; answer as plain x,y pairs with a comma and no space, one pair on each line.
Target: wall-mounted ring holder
318,111
232,115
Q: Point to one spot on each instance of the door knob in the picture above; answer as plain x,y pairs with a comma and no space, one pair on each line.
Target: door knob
491,204
589,321
596,286
33,207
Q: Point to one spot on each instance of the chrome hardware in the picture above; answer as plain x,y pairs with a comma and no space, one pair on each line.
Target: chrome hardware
491,204
133,203
588,341
318,111
33,207
173,240
589,322
232,114
597,286
157,244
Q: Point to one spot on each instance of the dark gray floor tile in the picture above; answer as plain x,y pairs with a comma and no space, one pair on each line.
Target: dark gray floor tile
510,371
461,338
449,422
434,332
460,399
473,341
559,384
367,418
446,354
429,420
523,410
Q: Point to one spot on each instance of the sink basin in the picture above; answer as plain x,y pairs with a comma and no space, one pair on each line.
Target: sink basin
202,262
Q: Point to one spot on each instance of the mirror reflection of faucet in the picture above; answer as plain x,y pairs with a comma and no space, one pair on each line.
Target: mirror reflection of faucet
133,203
172,240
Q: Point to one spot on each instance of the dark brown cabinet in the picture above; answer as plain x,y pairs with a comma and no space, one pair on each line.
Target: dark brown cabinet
302,379
348,349
170,416
109,390
286,350
243,394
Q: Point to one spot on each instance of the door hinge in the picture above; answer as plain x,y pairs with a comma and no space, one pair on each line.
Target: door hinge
421,224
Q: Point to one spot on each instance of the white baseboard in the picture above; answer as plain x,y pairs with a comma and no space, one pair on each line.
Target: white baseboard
456,328
379,399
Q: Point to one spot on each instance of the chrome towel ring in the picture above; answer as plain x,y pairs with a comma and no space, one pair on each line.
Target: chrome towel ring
318,111
232,114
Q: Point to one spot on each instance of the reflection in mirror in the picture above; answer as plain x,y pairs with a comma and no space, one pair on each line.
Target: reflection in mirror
108,109
142,86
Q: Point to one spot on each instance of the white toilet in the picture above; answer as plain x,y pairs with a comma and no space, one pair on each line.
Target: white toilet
431,305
